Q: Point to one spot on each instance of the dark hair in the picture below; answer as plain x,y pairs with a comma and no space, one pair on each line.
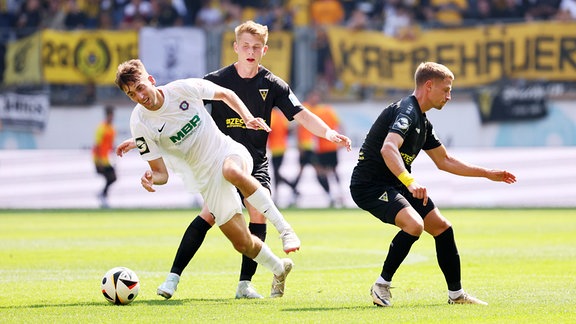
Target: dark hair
109,110
129,72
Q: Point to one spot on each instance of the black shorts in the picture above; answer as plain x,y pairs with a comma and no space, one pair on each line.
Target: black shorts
260,172
385,201
328,159
277,161
307,157
106,170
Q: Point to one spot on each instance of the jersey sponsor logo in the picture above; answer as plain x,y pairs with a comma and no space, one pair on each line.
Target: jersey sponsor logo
235,123
408,159
384,197
161,128
186,130
263,93
402,123
184,105
142,145
418,130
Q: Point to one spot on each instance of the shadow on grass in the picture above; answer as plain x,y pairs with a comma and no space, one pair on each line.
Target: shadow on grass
215,301
178,302
175,302
363,307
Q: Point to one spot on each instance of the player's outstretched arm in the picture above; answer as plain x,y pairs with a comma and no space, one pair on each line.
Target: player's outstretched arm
501,175
234,102
125,146
448,163
318,127
157,175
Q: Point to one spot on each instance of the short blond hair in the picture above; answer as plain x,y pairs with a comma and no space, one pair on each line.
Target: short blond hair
251,27
431,70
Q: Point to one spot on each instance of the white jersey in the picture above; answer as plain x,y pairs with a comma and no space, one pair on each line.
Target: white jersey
183,133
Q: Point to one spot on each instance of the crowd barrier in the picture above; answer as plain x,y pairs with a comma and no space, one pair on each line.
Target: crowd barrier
66,179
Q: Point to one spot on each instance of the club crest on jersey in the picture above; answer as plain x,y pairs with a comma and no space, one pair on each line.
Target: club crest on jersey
142,145
184,105
263,93
384,197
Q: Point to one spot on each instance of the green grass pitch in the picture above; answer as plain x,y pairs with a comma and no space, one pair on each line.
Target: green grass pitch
521,261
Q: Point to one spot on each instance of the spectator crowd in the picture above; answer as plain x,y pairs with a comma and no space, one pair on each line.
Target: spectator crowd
393,17
402,19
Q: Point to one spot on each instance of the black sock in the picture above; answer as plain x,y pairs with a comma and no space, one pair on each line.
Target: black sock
190,243
248,268
449,259
110,179
399,248
323,180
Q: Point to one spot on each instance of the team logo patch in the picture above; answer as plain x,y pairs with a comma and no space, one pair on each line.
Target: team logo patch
263,93
384,197
402,123
184,105
142,145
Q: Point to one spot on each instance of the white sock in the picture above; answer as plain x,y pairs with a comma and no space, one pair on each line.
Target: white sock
455,294
269,260
173,277
262,201
381,280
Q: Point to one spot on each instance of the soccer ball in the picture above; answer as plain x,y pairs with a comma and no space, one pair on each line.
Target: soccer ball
120,286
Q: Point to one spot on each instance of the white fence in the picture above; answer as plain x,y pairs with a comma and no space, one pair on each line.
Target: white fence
46,179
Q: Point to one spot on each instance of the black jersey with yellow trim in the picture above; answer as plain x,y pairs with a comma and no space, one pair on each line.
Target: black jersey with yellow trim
405,118
260,94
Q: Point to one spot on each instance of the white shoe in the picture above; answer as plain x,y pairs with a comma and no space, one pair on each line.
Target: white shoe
246,290
381,295
466,299
290,241
168,287
278,282
103,201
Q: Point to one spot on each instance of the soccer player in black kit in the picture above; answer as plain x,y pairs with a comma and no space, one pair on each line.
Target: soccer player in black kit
381,182
261,91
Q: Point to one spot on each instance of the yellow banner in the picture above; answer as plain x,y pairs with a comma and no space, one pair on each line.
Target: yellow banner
477,56
78,57
278,59
23,61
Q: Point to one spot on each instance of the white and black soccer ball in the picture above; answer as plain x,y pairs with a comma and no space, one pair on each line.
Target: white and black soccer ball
120,286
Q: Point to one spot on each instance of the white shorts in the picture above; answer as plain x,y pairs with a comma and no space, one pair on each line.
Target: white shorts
221,197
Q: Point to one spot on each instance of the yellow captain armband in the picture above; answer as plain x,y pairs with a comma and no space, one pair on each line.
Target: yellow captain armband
406,178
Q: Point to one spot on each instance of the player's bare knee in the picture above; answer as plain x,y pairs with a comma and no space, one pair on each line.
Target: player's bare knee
414,229
409,222
233,175
244,246
412,226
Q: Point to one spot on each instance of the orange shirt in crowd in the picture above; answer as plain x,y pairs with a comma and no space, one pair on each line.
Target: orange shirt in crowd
103,143
328,115
326,12
305,138
278,137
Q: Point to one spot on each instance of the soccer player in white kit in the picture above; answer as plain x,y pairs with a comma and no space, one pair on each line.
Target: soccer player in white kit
172,130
